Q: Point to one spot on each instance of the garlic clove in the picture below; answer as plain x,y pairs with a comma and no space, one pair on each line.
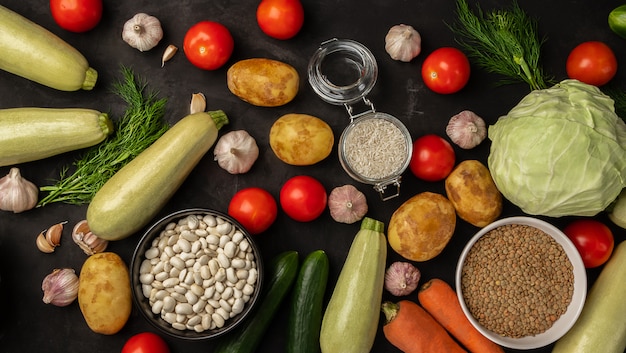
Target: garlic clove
60,287
401,278
16,193
169,53
88,242
53,234
347,204
236,152
198,103
43,245
466,129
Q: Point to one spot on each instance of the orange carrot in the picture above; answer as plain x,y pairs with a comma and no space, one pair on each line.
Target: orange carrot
441,301
412,330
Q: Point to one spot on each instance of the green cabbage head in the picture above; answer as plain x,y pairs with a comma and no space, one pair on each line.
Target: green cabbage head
560,151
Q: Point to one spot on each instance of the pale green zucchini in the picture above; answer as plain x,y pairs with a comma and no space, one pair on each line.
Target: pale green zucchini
350,321
29,134
31,51
601,326
136,193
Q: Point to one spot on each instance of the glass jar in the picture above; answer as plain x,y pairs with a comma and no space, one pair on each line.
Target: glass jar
375,148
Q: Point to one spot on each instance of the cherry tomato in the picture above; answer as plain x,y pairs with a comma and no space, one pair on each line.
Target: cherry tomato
446,70
593,239
76,15
592,62
208,45
433,158
145,342
303,198
280,19
255,208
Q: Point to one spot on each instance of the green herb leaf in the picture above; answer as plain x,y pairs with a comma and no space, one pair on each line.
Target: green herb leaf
142,124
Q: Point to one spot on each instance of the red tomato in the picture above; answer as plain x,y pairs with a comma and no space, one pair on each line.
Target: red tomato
592,62
433,158
145,342
593,239
446,70
76,15
208,45
280,19
303,198
254,208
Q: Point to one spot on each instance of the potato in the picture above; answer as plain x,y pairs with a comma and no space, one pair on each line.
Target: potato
263,82
104,295
473,193
301,139
422,226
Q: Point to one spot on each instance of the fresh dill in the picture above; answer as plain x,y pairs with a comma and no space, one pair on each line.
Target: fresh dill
142,124
502,42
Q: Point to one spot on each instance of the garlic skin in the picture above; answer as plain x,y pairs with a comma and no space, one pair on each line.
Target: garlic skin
347,204
466,129
401,278
403,43
60,287
16,193
142,32
88,242
236,152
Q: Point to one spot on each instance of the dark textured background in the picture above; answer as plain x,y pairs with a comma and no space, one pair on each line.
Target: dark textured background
31,326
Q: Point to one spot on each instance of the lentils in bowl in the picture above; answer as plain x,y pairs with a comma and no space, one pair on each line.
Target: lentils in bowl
196,274
521,282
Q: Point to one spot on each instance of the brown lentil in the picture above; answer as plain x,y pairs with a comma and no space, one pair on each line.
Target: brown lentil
517,281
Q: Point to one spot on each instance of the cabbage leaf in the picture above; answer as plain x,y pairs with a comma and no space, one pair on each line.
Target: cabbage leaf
560,151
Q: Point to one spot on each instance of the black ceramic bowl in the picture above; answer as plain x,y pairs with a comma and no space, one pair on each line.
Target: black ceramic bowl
194,275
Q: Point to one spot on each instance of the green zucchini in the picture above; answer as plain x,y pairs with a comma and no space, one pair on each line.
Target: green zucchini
601,326
305,317
282,272
29,134
31,51
138,191
350,321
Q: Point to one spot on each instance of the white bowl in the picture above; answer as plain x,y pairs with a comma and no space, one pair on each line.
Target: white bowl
566,321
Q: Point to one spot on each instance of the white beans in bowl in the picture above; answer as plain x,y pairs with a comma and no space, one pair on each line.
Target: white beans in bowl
199,272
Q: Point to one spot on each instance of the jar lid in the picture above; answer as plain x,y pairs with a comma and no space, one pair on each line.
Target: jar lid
342,71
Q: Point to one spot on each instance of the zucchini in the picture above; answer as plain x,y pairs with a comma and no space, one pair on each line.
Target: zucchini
351,318
138,191
29,134
601,326
282,272
305,317
31,51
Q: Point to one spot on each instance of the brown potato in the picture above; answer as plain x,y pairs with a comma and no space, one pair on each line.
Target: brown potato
473,193
104,295
263,82
301,139
422,226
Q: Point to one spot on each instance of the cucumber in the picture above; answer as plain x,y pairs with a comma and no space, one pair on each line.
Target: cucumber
282,272
305,317
138,191
601,326
29,134
617,20
31,51
351,318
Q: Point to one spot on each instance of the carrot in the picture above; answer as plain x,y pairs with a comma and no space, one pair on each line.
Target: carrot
440,300
412,330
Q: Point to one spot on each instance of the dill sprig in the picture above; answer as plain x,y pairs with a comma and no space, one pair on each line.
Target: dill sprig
142,124
502,42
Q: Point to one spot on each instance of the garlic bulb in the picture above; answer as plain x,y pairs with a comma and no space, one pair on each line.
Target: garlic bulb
466,129
86,240
347,204
403,43
60,287
142,32
401,278
16,193
236,152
